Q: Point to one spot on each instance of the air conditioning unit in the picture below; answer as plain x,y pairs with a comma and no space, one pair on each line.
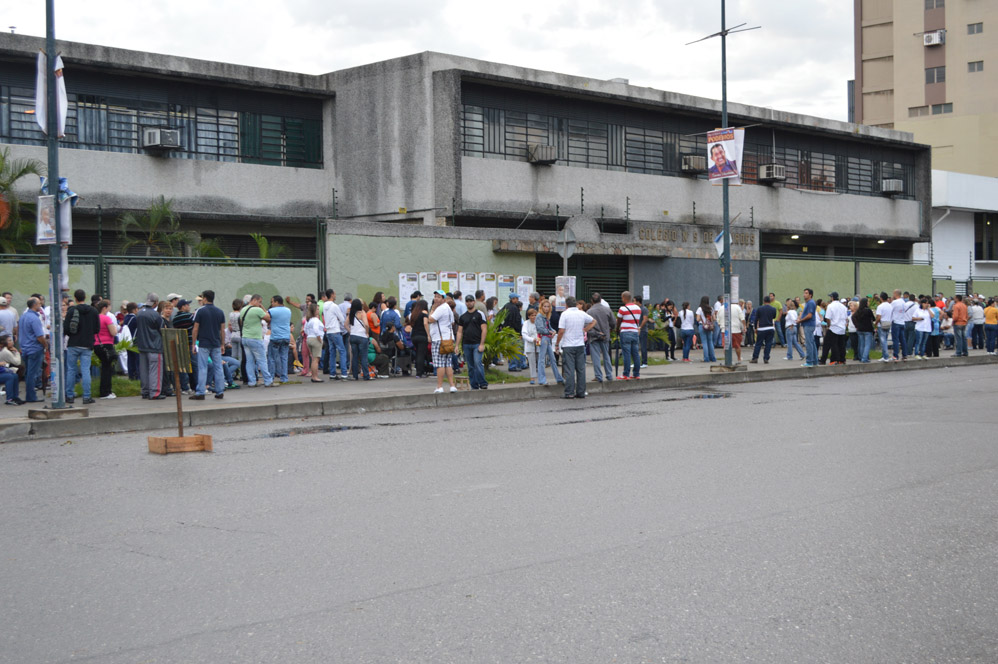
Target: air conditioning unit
157,138
935,38
694,163
772,173
542,154
892,186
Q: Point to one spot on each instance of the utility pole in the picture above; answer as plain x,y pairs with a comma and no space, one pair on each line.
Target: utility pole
55,250
726,258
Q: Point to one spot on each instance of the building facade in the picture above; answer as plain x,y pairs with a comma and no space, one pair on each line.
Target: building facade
434,162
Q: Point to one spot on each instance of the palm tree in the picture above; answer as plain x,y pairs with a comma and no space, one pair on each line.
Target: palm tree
268,249
208,248
16,234
157,231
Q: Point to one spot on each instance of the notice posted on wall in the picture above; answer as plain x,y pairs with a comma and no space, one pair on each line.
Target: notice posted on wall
448,282
408,284
506,285
563,287
428,283
468,283
487,282
524,286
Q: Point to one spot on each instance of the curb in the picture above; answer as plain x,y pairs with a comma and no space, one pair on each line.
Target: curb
280,410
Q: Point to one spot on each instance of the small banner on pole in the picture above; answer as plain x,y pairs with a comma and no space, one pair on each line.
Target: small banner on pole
724,153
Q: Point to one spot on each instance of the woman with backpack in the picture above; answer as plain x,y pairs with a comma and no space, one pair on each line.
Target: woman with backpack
705,318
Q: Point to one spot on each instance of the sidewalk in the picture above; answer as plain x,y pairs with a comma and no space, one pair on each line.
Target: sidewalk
304,399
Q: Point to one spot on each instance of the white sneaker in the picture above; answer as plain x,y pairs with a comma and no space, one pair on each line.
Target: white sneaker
644,366
439,390
110,396
453,389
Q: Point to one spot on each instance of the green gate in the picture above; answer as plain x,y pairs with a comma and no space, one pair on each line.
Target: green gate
606,275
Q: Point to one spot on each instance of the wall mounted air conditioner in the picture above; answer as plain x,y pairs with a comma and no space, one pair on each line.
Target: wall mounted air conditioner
935,38
891,187
772,173
542,154
157,138
694,163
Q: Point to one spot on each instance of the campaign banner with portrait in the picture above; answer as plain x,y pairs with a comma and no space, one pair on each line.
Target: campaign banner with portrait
46,220
724,154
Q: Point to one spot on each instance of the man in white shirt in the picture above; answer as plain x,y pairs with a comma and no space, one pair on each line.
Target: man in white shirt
440,327
897,327
334,323
572,327
718,306
345,309
885,315
737,326
837,316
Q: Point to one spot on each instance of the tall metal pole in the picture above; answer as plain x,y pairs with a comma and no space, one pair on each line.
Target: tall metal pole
727,223
55,250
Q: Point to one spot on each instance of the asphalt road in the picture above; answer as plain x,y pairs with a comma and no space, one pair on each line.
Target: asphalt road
850,519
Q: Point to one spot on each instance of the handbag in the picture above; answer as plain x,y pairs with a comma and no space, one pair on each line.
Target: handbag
446,345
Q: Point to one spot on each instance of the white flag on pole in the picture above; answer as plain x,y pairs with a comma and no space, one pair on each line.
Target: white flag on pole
41,95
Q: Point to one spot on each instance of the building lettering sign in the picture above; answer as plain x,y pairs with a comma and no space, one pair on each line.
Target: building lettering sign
691,236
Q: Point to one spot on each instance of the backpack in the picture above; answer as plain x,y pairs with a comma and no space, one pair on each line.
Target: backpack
708,322
73,322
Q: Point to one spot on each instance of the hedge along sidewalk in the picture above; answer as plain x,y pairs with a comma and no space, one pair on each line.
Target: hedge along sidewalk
295,401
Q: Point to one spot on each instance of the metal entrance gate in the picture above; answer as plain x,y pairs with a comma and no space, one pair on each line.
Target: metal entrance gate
606,275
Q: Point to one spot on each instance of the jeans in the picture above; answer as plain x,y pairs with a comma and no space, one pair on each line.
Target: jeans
792,343
970,334
358,351
909,338
229,366
630,346
600,351
687,343
763,338
202,357
33,372
11,385
960,337
897,340
476,367
977,336
921,339
643,342
573,360
991,332
779,332
885,342
811,345
335,354
545,356
708,346
865,344
255,361
277,359
76,354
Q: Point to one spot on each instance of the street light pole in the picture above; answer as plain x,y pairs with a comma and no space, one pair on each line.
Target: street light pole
727,222
55,250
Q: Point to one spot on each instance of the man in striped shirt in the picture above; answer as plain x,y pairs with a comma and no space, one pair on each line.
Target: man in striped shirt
630,320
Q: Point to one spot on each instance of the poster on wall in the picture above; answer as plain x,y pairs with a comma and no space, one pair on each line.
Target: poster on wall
724,154
525,286
448,282
506,285
468,283
428,282
408,284
563,287
487,283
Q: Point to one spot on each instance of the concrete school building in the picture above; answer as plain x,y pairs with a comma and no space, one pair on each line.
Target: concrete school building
434,162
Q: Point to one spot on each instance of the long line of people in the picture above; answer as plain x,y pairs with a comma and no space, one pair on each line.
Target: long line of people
324,339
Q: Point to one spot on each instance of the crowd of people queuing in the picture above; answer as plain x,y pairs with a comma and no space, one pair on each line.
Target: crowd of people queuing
255,344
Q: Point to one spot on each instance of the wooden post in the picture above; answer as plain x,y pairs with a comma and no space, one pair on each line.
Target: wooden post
176,387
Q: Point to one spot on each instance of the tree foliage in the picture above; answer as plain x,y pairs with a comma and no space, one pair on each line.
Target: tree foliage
17,232
155,231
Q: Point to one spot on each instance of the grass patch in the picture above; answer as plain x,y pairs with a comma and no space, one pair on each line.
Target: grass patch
496,376
120,385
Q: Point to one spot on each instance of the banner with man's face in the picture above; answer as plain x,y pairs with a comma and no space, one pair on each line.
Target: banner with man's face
724,154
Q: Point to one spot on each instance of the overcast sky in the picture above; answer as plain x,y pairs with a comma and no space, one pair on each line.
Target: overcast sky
798,61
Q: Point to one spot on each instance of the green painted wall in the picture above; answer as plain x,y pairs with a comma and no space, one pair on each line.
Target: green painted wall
364,265
945,286
23,279
133,282
986,288
789,277
888,276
